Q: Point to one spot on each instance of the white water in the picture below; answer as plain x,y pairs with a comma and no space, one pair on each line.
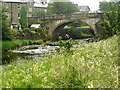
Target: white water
40,49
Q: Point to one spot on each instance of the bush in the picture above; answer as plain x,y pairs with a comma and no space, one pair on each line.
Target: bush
66,44
32,34
13,33
7,35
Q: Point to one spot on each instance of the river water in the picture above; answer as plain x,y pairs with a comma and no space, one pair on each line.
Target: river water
30,52
26,52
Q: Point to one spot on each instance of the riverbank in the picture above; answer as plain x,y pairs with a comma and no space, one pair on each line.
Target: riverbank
8,45
92,65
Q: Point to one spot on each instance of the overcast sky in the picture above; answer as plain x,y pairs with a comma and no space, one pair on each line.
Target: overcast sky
93,4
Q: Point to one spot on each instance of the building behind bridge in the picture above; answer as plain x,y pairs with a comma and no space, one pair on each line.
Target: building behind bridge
84,9
13,7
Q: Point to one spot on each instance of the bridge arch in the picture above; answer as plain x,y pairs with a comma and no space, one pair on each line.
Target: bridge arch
57,27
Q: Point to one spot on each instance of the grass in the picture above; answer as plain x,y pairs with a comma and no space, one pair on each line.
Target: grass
79,27
86,35
91,65
83,27
8,45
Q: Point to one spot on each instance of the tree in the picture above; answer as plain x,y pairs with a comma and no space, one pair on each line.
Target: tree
23,17
103,6
62,8
6,33
38,12
110,24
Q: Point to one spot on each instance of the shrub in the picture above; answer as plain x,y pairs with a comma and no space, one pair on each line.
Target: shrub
66,44
110,25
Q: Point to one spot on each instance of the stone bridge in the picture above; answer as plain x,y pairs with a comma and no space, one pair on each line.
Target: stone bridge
57,22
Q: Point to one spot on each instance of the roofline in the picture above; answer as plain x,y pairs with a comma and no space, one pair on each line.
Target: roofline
85,6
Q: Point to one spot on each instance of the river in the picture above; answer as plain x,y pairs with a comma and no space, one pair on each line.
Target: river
27,52
32,51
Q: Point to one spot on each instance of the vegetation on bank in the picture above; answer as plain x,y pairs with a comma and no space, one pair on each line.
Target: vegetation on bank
92,65
4,25
8,45
109,26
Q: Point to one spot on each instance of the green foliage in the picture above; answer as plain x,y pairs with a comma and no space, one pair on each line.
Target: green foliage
6,32
8,45
74,33
48,43
66,44
62,8
32,34
4,19
13,34
93,65
49,9
23,18
79,27
110,24
82,31
104,6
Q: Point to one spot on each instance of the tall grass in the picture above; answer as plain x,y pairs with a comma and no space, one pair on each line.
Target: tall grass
91,65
